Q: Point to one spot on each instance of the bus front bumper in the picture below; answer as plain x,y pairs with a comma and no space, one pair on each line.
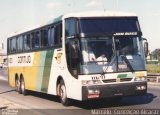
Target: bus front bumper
114,90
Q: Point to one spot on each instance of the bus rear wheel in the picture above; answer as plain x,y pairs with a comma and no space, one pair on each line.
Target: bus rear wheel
63,94
17,85
23,90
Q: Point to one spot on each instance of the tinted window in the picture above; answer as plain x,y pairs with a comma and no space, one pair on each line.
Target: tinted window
49,35
35,40
20,43
70,27
52,36
44,38
58,34
9,46
13,45
109,25
27,42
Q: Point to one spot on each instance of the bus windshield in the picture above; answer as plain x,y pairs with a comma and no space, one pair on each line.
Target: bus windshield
108,54
109,25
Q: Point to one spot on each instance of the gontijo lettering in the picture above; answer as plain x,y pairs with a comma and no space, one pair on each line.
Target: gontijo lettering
24,59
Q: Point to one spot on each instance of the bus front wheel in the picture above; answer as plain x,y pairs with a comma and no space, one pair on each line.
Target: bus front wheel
63,94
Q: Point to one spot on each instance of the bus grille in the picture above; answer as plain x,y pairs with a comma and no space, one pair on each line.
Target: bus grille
125,79
117,80
109,80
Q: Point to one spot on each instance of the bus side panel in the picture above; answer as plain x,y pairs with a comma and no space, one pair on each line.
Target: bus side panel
11,76
55,72
59,69
30,74
24,65
46,71
39,80
34,67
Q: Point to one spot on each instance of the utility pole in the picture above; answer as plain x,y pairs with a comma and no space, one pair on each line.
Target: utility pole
2,46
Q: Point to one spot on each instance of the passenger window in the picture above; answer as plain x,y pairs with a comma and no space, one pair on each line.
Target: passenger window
58,34
52,36
9,46
19,43
49,35
13,46
44,38
27,42
70,27
35,40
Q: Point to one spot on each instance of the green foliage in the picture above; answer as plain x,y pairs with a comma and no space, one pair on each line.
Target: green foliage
156,54
153,62
153,68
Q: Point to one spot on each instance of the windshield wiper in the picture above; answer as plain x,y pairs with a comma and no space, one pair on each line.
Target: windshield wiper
127,62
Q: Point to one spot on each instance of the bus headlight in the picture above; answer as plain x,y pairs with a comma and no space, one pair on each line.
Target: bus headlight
140,78
91,82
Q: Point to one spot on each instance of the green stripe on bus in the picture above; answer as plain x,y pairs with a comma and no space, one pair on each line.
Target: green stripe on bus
47,70
122,76
40,70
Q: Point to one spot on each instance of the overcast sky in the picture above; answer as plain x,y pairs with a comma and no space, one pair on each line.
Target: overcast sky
16,15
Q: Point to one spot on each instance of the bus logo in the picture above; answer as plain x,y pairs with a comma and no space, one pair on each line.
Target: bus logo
58,58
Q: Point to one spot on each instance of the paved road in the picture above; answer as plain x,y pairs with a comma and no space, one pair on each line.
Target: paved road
3,74
49,105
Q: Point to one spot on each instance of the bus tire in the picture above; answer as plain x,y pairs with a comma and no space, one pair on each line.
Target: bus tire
23,90
17,86
63,94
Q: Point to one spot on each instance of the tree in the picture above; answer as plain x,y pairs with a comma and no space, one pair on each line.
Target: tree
156,54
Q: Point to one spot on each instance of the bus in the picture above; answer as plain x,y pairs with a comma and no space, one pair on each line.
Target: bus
80,56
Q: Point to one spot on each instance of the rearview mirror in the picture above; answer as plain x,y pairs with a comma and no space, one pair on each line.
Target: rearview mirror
146,48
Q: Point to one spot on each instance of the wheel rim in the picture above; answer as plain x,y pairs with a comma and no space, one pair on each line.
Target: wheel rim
17,84
63,93
22,86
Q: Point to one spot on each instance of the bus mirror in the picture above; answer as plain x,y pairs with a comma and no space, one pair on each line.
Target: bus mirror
146,48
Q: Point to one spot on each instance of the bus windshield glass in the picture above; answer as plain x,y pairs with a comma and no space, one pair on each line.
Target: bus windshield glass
105,54
109,25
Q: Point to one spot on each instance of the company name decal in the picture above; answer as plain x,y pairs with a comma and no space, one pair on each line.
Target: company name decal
125,33
21,60
24,59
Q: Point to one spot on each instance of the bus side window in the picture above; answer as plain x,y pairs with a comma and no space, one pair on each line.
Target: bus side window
9,46
49,36
52,36
58,34
44,38
70,27
13,45
27,42
20,43
35,40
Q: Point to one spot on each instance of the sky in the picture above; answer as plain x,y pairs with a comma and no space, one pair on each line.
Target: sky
16,15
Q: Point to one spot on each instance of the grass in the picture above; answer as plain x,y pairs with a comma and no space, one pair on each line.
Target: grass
153,68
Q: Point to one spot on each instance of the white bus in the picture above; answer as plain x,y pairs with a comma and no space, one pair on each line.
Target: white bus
81,56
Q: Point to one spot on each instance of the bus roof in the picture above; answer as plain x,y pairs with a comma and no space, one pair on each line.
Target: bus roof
78,15
100,14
